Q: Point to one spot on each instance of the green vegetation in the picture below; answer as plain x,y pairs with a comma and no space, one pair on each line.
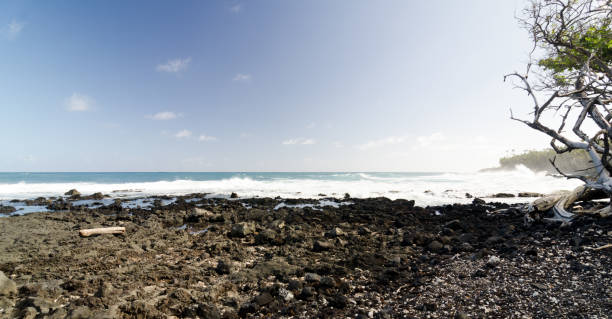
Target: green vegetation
596,41
574,162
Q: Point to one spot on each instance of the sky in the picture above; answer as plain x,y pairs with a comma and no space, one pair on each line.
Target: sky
261,85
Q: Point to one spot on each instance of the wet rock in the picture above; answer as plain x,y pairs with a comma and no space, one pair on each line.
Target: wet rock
242,229
73,193
97,196
320,245
503,195
529,194
7,286
7,209
478,201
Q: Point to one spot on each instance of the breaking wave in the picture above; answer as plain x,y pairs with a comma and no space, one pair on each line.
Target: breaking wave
424,188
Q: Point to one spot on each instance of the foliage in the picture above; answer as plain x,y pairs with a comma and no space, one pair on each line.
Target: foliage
569,80
539,161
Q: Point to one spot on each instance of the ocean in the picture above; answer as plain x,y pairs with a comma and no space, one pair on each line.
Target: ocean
423,187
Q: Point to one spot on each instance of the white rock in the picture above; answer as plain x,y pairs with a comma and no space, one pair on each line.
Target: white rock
285,294
7,286
493,261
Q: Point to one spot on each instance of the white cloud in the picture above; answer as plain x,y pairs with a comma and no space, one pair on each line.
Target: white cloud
391,140
246,134
338,144
206,138
237,8
299,141
29,158
162,116
242,78
183,134
14,28
174,66
431,139
311,125
78,103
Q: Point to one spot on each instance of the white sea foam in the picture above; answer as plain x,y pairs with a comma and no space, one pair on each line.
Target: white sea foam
425,189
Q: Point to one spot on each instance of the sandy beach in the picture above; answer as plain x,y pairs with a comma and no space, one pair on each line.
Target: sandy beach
364,258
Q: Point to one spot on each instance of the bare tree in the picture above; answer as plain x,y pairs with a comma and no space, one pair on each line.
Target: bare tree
568,78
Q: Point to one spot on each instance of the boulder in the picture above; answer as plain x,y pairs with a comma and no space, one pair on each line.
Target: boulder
265,237
493,261
285,294
435,246
503,195
312,277
242,229
234,195
198,214
97,196
81,312
320,245
529,194
223,267
73,193
335,232
263,299
7,209
478,201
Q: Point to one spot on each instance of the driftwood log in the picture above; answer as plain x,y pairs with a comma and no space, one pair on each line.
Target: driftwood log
562,202
100,231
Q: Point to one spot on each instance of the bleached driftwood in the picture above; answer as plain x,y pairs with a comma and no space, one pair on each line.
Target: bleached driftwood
100,231
560,203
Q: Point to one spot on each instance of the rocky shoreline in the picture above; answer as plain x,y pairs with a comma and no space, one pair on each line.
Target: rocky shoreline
270,258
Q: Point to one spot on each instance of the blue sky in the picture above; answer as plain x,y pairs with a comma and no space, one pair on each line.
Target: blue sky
260,85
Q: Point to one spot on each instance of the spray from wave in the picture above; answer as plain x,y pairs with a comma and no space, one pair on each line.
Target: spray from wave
424,188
